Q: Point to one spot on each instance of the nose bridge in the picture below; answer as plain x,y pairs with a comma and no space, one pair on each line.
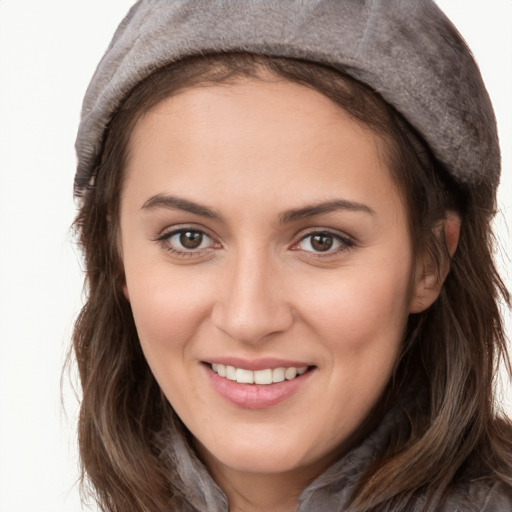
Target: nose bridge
251,304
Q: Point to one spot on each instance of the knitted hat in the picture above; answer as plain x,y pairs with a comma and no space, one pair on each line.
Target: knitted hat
406,50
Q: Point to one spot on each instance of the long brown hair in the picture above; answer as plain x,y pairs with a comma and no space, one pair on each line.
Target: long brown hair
452,349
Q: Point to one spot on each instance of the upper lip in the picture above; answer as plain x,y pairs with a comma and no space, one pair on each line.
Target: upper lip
257,364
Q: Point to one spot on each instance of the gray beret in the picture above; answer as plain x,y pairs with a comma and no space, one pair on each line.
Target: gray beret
406,50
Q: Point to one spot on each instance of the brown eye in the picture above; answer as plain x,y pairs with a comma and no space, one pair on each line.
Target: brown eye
324,242
191,239
321,242
186,241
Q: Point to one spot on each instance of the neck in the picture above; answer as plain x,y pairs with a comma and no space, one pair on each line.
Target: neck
263,492
254,492
258,493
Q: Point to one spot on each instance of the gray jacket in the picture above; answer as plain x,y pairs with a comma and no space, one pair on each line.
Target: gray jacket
332,490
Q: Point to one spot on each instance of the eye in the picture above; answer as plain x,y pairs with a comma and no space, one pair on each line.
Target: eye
324,242
186,240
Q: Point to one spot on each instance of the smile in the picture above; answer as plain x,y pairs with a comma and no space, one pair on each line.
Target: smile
265,377
268,384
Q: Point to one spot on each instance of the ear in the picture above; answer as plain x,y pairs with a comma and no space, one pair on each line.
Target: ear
429,277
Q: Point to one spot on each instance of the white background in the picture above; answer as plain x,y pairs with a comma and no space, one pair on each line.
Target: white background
48,52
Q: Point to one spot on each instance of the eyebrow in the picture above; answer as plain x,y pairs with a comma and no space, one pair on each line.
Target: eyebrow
178,203
323,208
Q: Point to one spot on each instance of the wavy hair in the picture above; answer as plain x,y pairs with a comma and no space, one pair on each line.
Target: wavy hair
452,349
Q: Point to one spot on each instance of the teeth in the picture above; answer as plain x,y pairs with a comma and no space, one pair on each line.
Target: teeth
244,376
278,374
265,377
290,373
230,372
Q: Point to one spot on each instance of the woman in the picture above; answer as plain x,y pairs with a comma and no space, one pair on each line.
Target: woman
292,301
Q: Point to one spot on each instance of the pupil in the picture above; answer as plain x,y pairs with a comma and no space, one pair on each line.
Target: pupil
321,242
191,239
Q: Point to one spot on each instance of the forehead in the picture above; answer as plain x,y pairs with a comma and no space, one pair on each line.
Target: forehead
271,138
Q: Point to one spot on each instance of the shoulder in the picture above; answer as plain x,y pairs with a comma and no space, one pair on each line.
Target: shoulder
479,496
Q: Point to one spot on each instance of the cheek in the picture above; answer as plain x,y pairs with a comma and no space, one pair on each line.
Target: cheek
169,314
168,307
168,304
360,323
362,314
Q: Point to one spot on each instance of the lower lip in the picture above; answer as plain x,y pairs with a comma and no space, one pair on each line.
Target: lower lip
256,396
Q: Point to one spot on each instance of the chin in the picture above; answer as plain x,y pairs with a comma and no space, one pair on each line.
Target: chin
265,453
261,460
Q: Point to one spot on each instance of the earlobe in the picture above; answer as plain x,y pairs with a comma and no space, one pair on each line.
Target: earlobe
430,276
427,286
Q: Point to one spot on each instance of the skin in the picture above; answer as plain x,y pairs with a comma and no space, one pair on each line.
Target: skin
250,153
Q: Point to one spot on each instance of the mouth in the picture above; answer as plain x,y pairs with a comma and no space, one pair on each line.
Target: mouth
258,384
264,377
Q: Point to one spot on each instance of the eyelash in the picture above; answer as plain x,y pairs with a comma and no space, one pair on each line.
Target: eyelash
344,243
165,241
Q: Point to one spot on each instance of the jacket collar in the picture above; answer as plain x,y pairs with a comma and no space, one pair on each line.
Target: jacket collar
331,491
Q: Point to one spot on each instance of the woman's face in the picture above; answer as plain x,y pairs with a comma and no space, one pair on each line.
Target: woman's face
262,237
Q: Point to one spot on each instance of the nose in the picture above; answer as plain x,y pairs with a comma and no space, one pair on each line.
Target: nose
251,304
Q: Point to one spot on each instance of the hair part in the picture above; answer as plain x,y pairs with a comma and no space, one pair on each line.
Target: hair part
451,350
